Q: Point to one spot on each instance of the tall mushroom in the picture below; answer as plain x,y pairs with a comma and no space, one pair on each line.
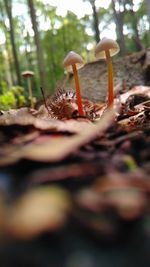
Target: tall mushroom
105,49
28,74
72,63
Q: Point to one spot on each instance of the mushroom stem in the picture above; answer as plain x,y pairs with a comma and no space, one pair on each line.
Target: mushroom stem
110,78
30,92
79,101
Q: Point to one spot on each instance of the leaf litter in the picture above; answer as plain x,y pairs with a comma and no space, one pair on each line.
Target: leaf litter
94,168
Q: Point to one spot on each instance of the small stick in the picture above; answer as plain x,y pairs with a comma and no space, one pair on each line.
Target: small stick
45,101
144,104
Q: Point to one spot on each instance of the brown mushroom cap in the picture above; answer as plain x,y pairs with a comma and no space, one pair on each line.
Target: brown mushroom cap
73,58
27,73
106,44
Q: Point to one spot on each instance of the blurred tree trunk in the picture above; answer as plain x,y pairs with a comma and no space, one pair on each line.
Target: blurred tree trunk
95,22
10,65
64,37
6,49
40,57
119,18
148,10
148,13
28,53
8,6
134,22
52,49
7,68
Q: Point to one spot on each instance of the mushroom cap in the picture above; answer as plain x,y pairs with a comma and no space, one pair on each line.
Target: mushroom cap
73,58
106,44
27,73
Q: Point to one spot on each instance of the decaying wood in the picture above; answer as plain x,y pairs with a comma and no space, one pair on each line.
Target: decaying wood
129,71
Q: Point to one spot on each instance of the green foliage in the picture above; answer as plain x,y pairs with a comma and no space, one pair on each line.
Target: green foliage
12,98
71,35
7,101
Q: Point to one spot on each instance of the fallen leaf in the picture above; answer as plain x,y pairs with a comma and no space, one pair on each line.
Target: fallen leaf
24,118
129,202
38,210
45,175
145,90
25,137
56,150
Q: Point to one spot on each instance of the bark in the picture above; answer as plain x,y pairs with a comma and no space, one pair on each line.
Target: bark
39,50
12,38
148,13
134,22
28,53
119,18
138,43
7,69
64,40
95,22
7,51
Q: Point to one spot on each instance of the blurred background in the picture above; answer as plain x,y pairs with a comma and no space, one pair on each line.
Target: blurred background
36,35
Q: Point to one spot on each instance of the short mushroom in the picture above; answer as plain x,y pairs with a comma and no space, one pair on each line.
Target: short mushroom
28,74
72,63
105,49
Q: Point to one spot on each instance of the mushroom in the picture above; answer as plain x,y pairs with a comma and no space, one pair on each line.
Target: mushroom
105,49
28,74
72,63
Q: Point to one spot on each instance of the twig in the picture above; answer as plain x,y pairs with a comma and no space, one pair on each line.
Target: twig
45,101
145,104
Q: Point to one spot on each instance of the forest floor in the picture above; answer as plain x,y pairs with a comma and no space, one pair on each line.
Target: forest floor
130,70
75,191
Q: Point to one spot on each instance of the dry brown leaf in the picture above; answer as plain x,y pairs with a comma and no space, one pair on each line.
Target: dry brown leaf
91,200
16,116
60,148
56,149
60,173
8,154
71,126
42,112
39,210
123,193
129,202
145,90
137,119
143,106
8,160
23,118
25,137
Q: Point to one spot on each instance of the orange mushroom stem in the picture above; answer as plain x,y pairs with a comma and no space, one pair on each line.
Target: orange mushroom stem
105,49
72,63
110,79
78,94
